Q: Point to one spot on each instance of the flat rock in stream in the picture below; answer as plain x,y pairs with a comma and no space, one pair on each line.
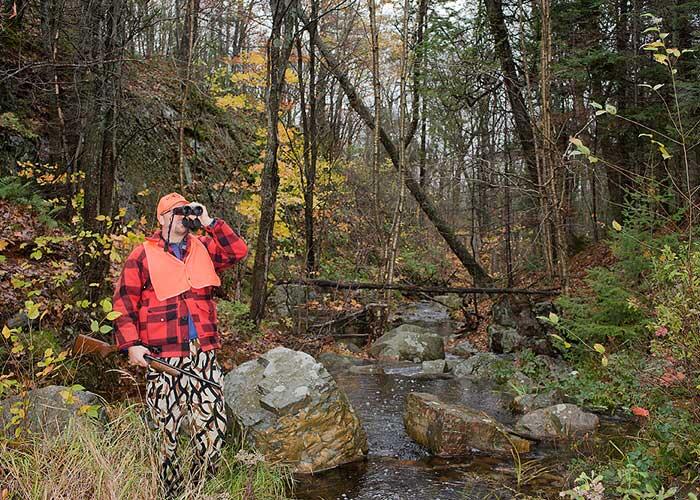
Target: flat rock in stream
409,343
334,362
291,410
450,430
562,421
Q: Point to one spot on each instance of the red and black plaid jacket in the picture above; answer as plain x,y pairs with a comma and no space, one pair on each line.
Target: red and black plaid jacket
162,326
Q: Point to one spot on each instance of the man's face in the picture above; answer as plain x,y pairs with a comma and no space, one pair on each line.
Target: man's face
177,228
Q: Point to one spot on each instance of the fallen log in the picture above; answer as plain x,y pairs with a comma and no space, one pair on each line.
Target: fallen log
340,285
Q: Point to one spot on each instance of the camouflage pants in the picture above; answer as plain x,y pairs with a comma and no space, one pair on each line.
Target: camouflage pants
173,399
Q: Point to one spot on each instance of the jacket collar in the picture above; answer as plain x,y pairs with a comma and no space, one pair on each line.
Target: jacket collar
157,237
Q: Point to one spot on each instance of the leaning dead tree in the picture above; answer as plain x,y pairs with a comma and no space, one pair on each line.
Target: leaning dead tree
481,277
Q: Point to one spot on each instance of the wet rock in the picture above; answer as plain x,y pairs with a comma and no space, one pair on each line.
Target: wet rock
291,410
451,300
452,430
424,313
350,345
464,349
48,411
434,366
338,362
409,342
480,365
527,403
367,370
560,421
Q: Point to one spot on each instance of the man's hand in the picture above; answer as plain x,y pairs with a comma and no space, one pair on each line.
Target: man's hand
136,353
204,218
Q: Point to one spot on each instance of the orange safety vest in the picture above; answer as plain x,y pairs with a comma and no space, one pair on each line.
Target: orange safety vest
171,276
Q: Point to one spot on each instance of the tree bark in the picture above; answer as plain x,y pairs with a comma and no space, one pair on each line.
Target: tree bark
278,51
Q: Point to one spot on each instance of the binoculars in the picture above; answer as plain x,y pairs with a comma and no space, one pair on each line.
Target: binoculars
187,211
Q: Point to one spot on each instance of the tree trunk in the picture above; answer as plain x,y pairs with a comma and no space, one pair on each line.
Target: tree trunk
278,51
512,82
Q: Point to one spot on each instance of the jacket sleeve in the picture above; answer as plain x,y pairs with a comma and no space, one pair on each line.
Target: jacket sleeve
224,245
127,299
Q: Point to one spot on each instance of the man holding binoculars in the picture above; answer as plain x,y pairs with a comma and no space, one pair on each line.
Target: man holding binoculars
165,296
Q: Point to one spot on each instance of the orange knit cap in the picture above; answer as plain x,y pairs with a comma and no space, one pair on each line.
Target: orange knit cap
170,201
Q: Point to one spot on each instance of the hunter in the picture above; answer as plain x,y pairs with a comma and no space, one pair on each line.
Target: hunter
165,296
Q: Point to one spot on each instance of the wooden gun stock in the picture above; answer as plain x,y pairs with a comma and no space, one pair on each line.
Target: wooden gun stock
87,345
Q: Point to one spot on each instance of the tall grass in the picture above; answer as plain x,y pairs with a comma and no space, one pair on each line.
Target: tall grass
120,460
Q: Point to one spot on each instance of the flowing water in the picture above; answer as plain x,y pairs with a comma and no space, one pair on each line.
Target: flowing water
399,469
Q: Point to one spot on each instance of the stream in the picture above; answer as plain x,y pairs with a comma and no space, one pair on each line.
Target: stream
398,468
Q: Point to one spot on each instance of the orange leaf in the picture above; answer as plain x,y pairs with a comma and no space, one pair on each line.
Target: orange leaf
639,411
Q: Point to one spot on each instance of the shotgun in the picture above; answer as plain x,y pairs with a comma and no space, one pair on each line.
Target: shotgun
88,345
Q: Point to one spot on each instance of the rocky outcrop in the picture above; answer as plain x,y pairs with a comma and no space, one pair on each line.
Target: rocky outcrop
515,326
449,430
291,410
409,343
562,421
48,410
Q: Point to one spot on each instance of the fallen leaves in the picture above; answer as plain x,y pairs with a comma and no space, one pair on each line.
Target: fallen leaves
639,411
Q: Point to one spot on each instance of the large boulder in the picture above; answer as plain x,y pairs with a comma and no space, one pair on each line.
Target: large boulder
480,365
451,430
560,421
48,410
409,343
291,410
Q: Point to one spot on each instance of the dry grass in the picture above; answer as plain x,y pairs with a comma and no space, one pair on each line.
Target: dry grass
120,460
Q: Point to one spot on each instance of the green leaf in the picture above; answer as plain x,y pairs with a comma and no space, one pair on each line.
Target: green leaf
553,318
664,152
94,325
616,226
599,348
611,109
596,105
105,329
661,59
106,305
604,361
112,315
